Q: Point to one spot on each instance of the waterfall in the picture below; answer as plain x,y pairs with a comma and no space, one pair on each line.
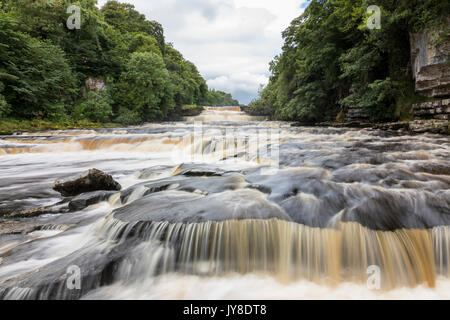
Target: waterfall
343,207
290,251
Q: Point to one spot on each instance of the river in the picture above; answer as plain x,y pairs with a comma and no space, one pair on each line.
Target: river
225,206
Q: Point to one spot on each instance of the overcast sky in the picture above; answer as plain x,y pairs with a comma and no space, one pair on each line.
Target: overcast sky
230,41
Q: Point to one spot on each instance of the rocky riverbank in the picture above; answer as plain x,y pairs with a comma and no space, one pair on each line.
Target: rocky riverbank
411,127
431,73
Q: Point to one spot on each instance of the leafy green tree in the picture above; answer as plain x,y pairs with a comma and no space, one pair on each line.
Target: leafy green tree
4,107
219,99
127,116
85,48
96,107
189,86
263,106
56,112
145,86
35,73
44,65
141,42
125,18
331,61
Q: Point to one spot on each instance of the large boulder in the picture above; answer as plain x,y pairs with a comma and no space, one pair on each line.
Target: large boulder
93,180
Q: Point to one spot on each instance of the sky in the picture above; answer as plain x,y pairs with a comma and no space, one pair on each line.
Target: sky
230,41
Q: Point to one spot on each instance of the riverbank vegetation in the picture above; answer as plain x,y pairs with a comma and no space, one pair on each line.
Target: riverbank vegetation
117,67
331,61
10,126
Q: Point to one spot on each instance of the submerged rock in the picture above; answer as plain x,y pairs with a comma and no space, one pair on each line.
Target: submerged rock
59,207
200,173
197,184
200,170
18,227
389,210
87,199
50,281
93,180
184,207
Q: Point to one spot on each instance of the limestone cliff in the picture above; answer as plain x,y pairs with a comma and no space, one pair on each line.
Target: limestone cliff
93,84
430,64
431,71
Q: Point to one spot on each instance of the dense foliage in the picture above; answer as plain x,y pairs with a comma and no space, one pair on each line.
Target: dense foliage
44,65
96,107
331,60
219,99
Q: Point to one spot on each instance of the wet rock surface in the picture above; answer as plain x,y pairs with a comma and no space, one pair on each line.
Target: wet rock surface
93,180
50,282
18,227
60,207
310,196
184,207
85,200
384,181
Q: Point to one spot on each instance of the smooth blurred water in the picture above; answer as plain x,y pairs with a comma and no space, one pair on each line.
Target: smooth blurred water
384,183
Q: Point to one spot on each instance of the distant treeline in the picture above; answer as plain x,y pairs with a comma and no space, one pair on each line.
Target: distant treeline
332,61
44,65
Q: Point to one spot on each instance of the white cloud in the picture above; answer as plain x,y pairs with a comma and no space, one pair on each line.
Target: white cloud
240,84
230,41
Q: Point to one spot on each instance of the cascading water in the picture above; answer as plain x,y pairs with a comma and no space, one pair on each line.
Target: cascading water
198,217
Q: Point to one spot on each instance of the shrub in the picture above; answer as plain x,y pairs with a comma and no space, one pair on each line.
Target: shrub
145,86
56,112
191,110
4,107
95,108
128,117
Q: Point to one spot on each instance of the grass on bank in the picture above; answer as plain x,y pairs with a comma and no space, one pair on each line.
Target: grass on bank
191,110
10,126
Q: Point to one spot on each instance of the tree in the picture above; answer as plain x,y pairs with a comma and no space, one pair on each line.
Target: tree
44,65
125,18
189,86
96,107
85,48
4,107
331,61
127,116
35,74
219,99
145,86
